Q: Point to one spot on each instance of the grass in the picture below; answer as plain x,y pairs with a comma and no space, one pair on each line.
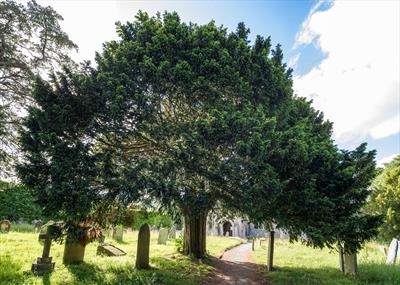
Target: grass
296,264
18,250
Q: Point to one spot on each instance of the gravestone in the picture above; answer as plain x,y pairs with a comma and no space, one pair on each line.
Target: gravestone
143,247
350,264
37,224
44,264
163,236
392,252
5,226
172,232
118,233
109,250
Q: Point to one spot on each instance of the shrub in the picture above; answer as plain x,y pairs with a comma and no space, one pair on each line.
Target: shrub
17,203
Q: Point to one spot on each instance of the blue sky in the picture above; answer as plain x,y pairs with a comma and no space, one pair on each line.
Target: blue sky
345,54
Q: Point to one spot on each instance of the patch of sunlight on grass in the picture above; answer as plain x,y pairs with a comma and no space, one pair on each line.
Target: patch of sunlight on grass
297,264
18,250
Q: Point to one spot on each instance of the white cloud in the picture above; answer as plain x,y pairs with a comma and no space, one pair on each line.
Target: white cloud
357,84
387,159
386,128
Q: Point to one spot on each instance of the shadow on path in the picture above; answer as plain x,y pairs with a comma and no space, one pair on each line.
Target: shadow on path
236,267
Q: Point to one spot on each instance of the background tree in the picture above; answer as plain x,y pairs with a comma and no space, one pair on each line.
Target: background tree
31,42
17,203
385,201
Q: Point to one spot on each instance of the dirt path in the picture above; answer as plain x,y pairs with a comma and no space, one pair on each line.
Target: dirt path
236,267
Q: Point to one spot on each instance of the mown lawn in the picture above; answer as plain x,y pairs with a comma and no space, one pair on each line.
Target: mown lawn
296,264
19,250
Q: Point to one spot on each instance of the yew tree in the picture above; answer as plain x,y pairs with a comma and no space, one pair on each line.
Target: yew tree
199,115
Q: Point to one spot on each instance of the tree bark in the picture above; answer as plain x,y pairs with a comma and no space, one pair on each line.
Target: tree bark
194,241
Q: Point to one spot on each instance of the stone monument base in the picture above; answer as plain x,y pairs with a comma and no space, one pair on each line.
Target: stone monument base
43,265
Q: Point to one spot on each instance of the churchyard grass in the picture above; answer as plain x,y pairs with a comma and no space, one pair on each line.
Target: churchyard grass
297,264
19,250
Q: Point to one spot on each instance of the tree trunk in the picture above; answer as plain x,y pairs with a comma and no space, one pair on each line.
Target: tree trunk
74,252
194,241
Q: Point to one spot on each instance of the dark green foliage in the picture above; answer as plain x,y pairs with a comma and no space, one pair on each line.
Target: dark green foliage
192,116
143,247
207,117
59,166
17,203
385,199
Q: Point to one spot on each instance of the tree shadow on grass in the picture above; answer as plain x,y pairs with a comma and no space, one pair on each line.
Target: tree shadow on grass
163,271
289,275
370,273
86,273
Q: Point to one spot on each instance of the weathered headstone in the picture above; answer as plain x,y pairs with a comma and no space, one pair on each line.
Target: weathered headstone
392,252
44,264
172,232
163,236
5,226
118,233
74,252
350,264
143,247
109,250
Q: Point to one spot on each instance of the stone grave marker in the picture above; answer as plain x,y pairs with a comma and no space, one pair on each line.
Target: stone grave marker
109,250
44,264
162,236
172,232
143,247
350,264
5,226
392,252
118,233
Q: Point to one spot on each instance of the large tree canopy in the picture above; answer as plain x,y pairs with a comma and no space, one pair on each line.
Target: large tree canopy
191,115
31,41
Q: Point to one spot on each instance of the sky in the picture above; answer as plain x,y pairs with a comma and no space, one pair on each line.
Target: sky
345,54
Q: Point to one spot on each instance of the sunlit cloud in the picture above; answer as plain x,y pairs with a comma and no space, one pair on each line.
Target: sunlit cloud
357,84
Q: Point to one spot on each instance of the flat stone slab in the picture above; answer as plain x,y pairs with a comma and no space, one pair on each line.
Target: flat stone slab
109,250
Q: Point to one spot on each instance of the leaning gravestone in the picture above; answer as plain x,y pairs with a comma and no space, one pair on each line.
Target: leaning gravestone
109,250
118,233
143,247
44,264
392,252
163,236
172,233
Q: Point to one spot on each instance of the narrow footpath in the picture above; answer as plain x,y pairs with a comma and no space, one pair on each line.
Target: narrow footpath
236,267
